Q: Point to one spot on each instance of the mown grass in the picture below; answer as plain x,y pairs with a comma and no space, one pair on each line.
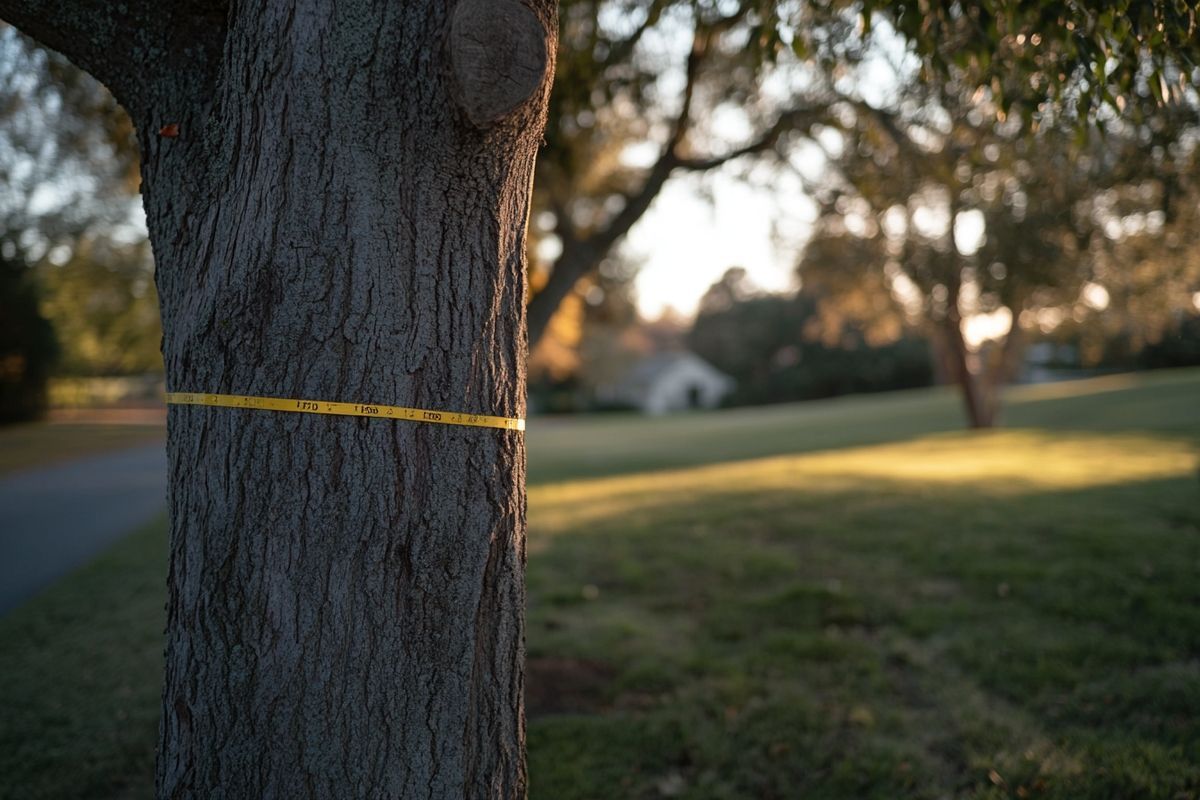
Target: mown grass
40,443
1007,615
80,672
566,448
932,615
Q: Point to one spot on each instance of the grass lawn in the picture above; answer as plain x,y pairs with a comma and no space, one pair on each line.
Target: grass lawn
839,600
564,448
40,443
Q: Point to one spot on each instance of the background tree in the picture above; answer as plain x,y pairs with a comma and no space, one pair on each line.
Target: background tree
1148,275
337,205
965,211
649,90
1132,56
1033,60
67,169
586,331
28,347
103,306
780,347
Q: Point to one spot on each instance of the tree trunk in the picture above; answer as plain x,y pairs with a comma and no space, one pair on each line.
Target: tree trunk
1005,368
337,202
978,409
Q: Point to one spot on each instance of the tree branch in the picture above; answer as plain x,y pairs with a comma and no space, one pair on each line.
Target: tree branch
133,47
700,43
637,203
890,126
796,119
622,51
582,253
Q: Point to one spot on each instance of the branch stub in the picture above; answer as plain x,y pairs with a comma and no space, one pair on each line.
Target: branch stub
498,57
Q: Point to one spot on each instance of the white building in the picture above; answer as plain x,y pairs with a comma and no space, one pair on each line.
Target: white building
667,382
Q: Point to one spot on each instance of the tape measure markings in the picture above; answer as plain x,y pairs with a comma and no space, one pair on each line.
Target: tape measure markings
343,409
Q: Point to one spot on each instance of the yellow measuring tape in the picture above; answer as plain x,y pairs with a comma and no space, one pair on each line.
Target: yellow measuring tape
344,409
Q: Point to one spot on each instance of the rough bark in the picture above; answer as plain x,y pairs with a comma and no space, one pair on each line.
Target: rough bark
346,595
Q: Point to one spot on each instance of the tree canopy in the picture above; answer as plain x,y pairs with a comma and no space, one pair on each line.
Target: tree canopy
1070,57
960,210
649,90
68,173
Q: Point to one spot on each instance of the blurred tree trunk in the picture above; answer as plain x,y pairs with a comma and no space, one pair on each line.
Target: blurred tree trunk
1005,367
982,393
974,404
979,407
337,203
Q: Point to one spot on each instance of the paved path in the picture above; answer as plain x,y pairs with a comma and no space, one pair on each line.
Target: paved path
54,519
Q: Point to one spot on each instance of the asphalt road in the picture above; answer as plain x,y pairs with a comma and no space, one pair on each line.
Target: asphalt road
54,519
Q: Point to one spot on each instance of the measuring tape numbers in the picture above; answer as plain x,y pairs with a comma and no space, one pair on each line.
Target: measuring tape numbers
344,409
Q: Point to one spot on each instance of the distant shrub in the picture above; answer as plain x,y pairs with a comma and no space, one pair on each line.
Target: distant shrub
28,348
760,341
1179,346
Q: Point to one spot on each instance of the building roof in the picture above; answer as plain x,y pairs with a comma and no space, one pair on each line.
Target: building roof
647,371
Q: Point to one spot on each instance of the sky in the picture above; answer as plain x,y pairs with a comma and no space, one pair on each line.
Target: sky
685,242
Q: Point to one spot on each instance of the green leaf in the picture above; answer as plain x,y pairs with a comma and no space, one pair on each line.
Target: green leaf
800,47
1156,86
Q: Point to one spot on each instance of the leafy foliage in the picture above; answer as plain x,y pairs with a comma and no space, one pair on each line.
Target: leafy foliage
68,179
28,347
1178,347
956,210
649,90
104,307
1122,55
778,348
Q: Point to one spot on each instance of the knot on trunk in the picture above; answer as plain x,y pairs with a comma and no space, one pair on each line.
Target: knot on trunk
498,57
